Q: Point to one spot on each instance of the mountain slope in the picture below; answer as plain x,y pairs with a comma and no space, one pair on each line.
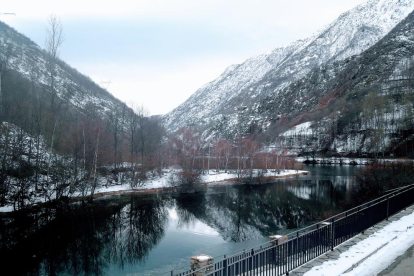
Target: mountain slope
214,106
361,104
28,59
60,133
372,68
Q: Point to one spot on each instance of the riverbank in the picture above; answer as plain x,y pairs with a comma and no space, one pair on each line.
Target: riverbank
162,184
348,161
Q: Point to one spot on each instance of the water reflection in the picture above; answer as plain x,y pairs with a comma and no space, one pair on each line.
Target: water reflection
140,234
252,211
135,230
84,240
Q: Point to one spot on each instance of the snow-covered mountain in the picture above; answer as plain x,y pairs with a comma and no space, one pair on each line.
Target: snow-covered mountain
361,105
216,105
29,60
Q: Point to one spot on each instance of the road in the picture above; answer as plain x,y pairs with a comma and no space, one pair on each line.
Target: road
403,265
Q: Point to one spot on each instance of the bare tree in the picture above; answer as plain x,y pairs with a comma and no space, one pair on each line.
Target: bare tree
53,43
54,40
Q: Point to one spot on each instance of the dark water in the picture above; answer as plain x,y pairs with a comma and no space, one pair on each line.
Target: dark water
145,235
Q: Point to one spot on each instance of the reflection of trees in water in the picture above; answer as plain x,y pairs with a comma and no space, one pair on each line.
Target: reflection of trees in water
190,207
323,191
20,226
66,244
135,230
250,211
85,240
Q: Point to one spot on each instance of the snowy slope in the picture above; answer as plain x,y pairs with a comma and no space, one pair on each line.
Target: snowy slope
246,84
344,91
29,59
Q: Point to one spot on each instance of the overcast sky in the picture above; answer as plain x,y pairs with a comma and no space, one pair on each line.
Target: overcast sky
159,52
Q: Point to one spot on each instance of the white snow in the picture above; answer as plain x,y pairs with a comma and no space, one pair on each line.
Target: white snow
348,161
7,208
391,241
302,129
221,176
215,177
203,258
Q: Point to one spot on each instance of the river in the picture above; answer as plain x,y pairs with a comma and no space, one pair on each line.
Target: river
150,234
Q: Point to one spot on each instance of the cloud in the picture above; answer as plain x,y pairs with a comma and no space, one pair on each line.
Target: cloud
159,89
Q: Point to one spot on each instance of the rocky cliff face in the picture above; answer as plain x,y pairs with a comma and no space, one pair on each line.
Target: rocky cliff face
216,107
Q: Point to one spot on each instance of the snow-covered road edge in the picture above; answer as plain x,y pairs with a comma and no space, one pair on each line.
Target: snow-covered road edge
379,250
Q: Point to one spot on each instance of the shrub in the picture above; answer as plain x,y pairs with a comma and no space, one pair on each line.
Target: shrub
375,179
185,181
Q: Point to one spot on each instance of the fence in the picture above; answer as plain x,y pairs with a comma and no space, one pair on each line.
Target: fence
308,243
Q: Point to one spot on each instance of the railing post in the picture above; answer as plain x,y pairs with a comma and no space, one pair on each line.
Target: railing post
251,265
277,258
225,266
297,246
388,206
333,234
202,264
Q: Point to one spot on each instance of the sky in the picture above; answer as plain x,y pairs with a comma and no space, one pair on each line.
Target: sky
159,52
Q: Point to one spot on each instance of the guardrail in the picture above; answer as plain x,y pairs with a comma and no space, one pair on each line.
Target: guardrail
279,258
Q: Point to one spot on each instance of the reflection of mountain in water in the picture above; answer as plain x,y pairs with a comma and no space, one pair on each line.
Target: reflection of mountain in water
247,212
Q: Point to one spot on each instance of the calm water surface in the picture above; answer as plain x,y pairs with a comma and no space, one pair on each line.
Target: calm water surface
146,235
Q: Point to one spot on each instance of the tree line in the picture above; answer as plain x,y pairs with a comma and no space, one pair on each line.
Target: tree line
50,148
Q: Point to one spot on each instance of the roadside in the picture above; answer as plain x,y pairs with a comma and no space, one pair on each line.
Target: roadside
403,265
368,253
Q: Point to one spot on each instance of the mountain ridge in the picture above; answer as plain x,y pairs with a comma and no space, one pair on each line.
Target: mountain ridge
366,98
79,89
215,103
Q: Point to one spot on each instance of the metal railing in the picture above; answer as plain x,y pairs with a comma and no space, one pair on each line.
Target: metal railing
308,243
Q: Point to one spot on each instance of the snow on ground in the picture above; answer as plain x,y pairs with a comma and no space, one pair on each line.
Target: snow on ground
163,182
214,176
302,129
7,208
389,242
348,161
211,177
